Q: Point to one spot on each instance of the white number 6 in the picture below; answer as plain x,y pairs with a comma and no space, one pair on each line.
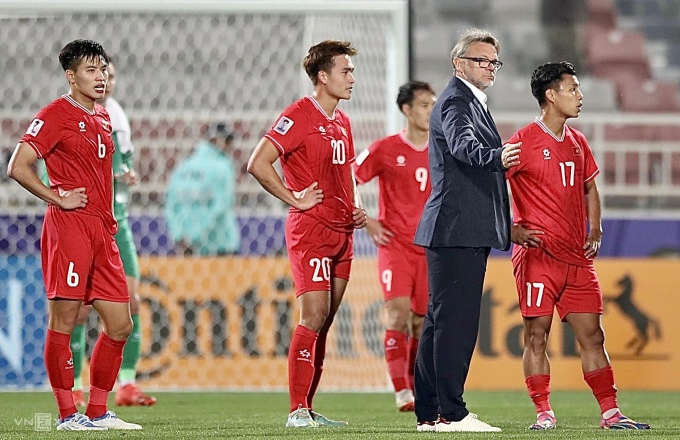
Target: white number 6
72,278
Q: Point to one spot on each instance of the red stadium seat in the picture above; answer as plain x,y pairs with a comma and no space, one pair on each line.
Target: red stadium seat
618,53
602,13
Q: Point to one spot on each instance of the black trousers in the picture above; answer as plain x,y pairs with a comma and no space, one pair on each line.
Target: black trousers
456,280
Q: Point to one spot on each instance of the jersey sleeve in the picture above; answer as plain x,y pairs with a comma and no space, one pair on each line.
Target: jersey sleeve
368,163
44,132
590,168
289,131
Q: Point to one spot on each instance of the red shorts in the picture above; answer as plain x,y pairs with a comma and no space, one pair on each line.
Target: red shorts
317,253
80,259
403,272
544,283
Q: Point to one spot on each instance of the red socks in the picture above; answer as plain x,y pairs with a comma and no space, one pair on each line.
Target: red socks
396,344
602,383
319,356
59,366
539,391
301,361
104,365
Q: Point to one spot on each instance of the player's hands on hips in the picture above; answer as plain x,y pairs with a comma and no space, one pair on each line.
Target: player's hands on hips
510,155
379,234
593,242
526,237
73,199
359,217
308,197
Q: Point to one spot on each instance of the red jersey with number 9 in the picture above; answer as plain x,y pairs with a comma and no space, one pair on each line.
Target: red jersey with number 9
78,151
316,148
548,188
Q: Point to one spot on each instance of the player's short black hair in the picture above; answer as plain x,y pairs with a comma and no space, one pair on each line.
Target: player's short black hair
548,76
407,92
76,51
320,57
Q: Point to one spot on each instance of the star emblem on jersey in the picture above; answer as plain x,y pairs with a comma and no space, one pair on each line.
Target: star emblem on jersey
81,125
546,154
401,161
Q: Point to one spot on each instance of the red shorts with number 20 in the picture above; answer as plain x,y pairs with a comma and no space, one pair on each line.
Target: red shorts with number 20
317,253
80,259
543,283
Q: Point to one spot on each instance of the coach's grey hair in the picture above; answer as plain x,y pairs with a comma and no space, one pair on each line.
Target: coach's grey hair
472,36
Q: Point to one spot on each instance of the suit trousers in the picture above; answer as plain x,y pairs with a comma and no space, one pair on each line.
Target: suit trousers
456,279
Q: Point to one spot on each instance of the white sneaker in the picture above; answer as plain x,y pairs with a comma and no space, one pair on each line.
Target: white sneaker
301,418
469,424
111,421
426,426
404,399
78,422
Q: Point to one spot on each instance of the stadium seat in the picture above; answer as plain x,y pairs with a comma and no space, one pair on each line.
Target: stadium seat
618,53
602,13
649,96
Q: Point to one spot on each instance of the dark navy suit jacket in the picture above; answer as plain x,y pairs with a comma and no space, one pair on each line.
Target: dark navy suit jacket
469,204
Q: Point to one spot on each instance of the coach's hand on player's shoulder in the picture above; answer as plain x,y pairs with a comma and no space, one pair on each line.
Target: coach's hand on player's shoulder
73,199
359,217
593,242
308,197
510,155
525,237
379,234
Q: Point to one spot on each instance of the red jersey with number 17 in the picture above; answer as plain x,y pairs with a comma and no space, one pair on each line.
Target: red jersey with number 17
316,148
403,176
78,150
548,188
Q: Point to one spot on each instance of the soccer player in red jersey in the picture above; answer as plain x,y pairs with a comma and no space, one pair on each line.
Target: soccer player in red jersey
313,140
554,195
80,260
400,162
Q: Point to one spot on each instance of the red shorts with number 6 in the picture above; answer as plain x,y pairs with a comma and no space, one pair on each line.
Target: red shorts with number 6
543,283
403,272
80,259
317,253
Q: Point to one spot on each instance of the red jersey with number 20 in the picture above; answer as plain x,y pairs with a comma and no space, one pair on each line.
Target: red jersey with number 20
403,176
548,188
316,148
78,151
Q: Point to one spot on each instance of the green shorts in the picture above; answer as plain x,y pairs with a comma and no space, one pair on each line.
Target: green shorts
127,248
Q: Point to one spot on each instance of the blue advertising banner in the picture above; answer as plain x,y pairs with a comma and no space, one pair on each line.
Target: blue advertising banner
23,319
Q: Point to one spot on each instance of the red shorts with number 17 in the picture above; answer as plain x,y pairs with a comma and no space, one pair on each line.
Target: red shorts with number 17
80,259
317,253
545,283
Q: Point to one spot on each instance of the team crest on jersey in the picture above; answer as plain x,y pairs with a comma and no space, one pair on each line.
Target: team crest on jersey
546,154
283,125
35,127
401,161
322,129
576,150
81,125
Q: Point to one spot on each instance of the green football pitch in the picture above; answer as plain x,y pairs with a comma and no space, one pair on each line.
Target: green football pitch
371,416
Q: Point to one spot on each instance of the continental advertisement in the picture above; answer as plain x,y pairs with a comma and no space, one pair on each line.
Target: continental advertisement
225,323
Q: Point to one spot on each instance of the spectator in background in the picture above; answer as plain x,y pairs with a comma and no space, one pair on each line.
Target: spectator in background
199,202
561,21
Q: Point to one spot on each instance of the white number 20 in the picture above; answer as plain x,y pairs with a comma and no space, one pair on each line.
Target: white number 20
338,147
322,269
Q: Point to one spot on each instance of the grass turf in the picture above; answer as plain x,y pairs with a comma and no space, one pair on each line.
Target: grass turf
371,416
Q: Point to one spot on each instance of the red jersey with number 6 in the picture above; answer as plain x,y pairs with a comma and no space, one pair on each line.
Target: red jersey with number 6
548,188
78,151
403,177
316,148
